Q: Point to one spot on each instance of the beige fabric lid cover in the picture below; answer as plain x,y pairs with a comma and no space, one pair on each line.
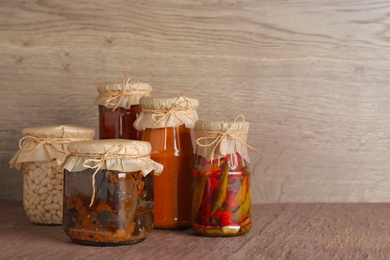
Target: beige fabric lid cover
167,112
215,139
111,154
124,94
46,143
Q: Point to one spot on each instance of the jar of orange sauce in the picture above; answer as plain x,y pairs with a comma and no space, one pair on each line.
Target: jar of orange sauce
119,107
167,123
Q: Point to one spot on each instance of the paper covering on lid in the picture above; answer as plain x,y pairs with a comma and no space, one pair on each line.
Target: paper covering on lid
112,154
216,139
122,94
47,143
167,112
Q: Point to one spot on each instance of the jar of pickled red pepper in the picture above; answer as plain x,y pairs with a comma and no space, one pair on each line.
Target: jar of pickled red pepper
167,123
41,150
119,107
108,192
221,204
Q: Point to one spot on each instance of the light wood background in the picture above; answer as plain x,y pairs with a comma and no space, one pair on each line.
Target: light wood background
312,77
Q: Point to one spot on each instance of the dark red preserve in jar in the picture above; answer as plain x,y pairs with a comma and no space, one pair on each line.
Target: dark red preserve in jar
119,107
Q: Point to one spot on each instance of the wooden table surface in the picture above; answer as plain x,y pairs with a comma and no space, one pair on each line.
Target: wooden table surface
280,231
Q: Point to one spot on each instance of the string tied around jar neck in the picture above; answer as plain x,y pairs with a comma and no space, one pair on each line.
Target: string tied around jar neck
217,137
98,160
116,97
177,108
39,142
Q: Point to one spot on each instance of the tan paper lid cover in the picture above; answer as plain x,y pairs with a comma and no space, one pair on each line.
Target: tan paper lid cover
216,139
125,94
167,112
112,154
46,143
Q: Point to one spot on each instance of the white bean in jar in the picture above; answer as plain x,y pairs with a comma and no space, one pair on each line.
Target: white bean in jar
42,192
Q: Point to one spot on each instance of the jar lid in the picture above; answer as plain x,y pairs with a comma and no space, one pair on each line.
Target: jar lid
116,146
216,139
167,112
111,154
122,94
60,131
46,143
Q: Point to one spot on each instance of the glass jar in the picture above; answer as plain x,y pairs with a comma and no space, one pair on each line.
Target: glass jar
167,125
173,193
118,124
221,196
221,204
119,107
41,151
108,192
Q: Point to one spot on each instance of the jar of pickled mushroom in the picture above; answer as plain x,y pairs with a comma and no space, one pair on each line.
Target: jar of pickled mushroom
119,107
108,192
221,204
167,123
41,151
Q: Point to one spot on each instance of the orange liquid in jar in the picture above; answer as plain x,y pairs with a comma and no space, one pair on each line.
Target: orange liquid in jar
172,189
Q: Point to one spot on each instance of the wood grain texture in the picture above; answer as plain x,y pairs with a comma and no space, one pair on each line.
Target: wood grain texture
312,78
280,231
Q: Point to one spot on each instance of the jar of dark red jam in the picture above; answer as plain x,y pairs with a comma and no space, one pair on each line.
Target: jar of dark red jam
108,192
119,107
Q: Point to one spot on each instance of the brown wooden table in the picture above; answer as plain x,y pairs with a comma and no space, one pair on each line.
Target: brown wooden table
280,231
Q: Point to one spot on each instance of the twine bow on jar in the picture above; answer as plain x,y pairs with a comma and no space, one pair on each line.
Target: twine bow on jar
177,108
116,97
96,161
159,112
47,143
39,142
236,133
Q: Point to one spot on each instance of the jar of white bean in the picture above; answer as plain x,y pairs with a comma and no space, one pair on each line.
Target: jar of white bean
41,151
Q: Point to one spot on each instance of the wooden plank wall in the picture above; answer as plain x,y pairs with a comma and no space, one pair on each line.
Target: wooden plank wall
312,77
